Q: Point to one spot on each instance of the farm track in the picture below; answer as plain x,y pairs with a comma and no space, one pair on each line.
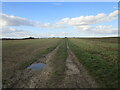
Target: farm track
62,66
30,79
76,76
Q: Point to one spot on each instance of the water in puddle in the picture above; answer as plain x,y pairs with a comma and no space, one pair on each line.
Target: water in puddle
37,66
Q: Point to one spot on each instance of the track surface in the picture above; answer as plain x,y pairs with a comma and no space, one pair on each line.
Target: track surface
76,76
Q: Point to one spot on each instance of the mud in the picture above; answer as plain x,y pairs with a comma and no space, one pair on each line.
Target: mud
76,74
34,79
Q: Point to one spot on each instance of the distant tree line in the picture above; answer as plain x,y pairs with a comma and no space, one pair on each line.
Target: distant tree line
17,38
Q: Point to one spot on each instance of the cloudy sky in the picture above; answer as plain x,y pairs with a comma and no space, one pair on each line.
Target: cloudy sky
59,19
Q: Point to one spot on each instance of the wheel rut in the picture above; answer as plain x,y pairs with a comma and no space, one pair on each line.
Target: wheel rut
36,79
76,74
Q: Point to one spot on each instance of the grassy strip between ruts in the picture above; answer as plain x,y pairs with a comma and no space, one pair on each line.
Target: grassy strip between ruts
59,65
106,73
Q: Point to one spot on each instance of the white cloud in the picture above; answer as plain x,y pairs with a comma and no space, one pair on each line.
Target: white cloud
83,23
115,13
116,7
13,32
9,20
18,33
86,20
48,25
84,28
101,29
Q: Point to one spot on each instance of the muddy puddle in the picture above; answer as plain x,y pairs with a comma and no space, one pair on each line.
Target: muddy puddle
36,66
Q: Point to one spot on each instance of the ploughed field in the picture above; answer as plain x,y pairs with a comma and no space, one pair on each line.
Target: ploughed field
60,63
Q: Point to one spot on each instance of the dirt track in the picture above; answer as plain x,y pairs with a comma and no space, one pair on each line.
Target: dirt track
76,76
33,79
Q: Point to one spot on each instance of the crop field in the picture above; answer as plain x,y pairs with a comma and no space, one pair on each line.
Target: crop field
69,63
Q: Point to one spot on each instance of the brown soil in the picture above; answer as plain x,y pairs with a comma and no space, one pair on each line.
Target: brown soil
76,76
31,79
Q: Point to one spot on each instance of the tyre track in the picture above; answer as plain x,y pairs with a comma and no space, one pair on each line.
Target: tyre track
76,74
34,79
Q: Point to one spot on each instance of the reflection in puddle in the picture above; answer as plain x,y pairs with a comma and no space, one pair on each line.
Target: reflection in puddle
37,66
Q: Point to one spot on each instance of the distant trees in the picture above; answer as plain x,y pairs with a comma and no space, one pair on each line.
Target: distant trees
17,38
30,38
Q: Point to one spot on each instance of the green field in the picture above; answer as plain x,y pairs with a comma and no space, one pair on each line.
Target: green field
98,55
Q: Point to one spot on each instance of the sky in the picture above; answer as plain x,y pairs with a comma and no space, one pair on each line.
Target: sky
59,19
